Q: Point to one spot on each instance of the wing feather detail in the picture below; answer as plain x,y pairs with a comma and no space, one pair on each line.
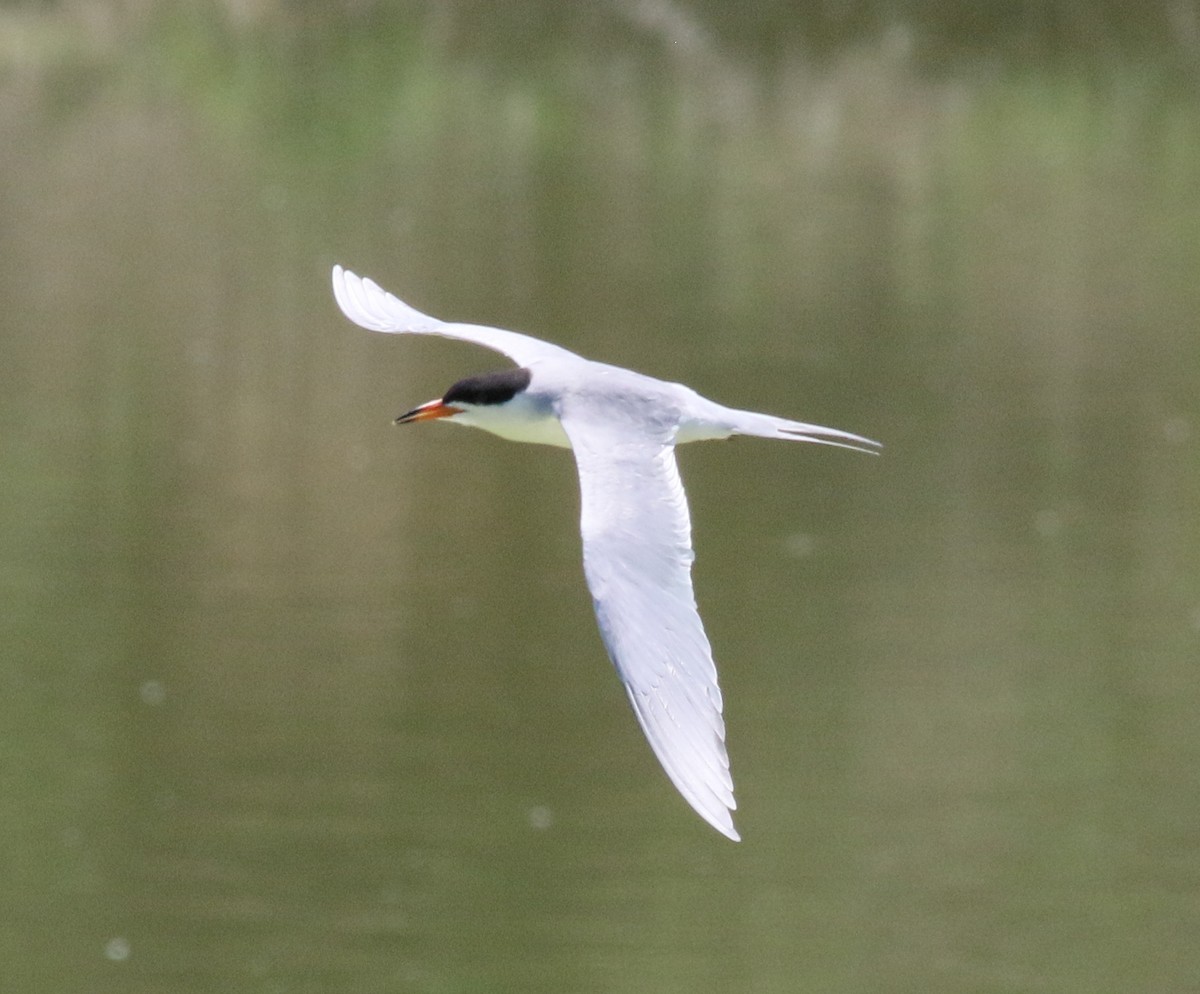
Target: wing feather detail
637,556
368,305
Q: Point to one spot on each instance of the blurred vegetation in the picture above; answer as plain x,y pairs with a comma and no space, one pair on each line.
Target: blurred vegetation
938,34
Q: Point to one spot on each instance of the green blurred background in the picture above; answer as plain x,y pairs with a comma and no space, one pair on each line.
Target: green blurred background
295,701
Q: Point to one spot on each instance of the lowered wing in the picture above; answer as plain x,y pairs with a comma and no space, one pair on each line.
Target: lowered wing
637,556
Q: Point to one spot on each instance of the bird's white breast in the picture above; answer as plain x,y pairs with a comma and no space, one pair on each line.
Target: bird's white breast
525,418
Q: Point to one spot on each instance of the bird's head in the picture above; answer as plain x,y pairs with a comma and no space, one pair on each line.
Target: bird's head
470,401
499,403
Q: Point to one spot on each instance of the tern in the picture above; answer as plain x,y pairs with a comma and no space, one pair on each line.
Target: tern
637,545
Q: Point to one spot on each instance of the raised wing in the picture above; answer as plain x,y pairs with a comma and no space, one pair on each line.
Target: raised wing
637,555
367,304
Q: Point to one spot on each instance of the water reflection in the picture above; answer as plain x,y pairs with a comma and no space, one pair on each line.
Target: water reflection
297,700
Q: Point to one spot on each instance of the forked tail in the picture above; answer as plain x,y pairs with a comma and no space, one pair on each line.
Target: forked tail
767,426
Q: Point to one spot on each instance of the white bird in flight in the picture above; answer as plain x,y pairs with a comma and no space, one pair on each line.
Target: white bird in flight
637,545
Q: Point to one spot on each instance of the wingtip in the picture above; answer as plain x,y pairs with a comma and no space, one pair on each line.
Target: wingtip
719,818
343,284
341,276
364,302
370,306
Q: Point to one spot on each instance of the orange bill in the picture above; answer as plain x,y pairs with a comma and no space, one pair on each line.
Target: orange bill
429,411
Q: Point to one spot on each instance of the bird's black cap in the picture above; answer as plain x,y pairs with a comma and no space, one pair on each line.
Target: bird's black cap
488,388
